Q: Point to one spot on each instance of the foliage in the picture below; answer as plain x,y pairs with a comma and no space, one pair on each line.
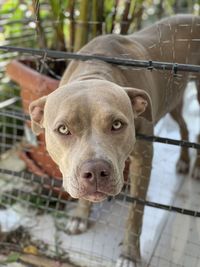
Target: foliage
69,24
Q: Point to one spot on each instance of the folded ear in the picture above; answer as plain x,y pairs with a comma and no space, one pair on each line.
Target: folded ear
36,110
141,102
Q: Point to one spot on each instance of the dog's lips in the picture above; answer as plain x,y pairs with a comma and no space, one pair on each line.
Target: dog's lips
96,196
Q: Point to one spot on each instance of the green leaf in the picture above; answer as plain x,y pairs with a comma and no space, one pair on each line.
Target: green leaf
13,257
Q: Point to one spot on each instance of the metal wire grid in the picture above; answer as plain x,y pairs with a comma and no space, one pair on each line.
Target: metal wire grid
46,200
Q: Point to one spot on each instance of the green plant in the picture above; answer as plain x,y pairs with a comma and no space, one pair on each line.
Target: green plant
67,25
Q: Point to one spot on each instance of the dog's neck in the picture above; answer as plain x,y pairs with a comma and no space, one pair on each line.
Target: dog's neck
92,69
96,69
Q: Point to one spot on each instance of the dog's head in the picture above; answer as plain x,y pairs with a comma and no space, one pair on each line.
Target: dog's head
89,131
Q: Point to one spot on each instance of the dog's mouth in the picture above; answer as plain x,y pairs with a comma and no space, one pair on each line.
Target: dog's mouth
96,196
92,191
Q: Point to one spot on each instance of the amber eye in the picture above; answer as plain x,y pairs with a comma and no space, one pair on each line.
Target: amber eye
63,129
117,125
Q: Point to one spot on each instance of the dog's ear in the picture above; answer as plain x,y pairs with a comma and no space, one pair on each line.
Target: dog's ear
141,102
36,111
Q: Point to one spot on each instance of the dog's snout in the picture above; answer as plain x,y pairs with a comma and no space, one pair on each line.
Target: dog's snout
95,169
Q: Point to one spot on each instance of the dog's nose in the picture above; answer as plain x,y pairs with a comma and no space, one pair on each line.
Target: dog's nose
93,170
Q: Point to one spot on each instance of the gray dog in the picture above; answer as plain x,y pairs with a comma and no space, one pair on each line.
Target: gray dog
90,121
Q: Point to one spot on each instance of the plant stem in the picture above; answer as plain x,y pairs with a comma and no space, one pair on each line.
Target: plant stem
114,15
57,24
125,21
72,24
97,17
160,9
39,29
94,17
81,35
136,14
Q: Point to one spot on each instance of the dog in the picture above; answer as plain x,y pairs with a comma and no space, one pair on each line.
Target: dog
91,120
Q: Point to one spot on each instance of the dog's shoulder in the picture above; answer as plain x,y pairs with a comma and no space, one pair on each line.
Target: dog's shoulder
108,45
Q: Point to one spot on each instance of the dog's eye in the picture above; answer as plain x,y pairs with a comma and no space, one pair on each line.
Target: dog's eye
62,129
117,125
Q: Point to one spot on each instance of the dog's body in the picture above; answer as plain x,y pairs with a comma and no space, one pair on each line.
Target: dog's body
91,119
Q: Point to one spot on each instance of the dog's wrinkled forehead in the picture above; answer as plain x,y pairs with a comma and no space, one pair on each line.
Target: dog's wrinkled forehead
81,99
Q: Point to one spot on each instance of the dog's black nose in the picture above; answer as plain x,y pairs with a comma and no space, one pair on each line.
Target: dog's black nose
95,169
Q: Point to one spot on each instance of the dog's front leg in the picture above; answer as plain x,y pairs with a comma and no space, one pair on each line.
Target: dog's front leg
78,223
139,172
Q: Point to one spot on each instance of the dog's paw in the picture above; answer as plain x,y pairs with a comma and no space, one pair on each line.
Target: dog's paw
124,262
196,172
76,226
182,167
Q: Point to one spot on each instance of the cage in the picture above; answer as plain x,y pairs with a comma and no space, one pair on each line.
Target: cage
34,209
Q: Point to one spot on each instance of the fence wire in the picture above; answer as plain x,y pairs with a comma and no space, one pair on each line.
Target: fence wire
50,184
148,64
177,244
154,139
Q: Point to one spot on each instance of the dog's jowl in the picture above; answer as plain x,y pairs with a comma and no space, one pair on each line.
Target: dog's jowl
91,120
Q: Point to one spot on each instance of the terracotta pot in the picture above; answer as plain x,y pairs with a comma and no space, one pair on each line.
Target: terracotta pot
33,86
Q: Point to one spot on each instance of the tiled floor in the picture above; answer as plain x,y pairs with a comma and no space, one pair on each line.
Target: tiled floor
179,243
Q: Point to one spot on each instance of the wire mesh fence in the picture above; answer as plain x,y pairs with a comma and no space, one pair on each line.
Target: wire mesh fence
35,210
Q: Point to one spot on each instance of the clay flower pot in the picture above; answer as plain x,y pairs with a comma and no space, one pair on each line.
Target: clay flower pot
33,86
